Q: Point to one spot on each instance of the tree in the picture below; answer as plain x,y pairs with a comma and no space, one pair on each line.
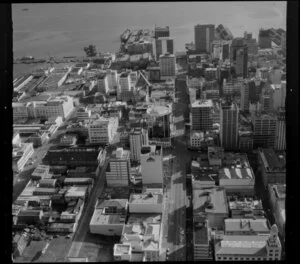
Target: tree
90,51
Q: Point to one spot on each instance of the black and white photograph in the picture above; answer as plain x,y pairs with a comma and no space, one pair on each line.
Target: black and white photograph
149,131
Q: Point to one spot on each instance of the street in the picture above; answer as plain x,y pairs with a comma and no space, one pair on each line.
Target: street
83,227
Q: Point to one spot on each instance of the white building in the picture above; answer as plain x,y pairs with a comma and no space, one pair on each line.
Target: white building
251,247
21,82
109,217
21,155
103,86
137,138
279,95
243,226
118,172
125,83
277,196
147,202
167,64
152,164
113,81
103,130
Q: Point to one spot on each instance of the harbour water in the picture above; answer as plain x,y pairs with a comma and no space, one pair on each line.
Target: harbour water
63,29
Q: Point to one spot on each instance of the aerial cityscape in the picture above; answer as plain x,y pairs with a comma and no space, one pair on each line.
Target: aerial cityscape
162,147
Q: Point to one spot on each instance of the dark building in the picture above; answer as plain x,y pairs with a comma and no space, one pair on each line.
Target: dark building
204,36
264,39
74,156
224,33
225,52
239,57
229,126
161,32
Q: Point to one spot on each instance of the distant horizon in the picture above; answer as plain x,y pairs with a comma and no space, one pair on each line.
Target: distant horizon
63,29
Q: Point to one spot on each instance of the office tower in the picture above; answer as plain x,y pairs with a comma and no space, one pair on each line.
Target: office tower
229,126
274,75
239,57
163,46
125,83
264,130
161,32
264,39
280,142
251,43
167,64
138,137
118,172
245,96
225,51
204,36
152,165
266,98
202,115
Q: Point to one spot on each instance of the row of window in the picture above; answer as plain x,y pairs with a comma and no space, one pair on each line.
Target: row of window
240,258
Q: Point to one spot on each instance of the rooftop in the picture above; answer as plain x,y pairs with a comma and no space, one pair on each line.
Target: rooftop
211,200
236,173
120,249
146,198
201,234
106,219
279,190
271,160
257,225
242,245
242,204
203,103
145,218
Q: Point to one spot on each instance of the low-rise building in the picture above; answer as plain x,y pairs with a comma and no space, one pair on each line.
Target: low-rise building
237,180
109,217
68,139
118,170
147,202
245,208
83,114
41,172
211,203
249,247
241,227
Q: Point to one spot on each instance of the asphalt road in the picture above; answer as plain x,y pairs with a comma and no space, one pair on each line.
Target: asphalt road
83,227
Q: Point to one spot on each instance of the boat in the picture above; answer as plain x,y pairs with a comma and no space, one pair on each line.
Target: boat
25,9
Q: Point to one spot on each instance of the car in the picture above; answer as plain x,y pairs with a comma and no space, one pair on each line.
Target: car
68,236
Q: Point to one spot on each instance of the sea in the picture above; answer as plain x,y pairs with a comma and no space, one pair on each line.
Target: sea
64,29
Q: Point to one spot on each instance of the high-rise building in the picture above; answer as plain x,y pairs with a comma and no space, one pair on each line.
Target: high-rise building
138,137
118,172
103,130
251,43
264,130
163,46
161,32
152,165
202,115
167,64
280,142
204,36
244,104
239,57
125,83
264,39
274,75
229,126
266,99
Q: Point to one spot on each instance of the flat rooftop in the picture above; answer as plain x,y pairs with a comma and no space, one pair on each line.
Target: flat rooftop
106,219
146,198
242,245
245,204
145,218
271,160
236,173
203,103
120,249
211,200
257,225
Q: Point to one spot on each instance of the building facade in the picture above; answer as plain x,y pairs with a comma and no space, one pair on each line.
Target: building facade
229,126
202,115
138,137
167,64
239,57
204,36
